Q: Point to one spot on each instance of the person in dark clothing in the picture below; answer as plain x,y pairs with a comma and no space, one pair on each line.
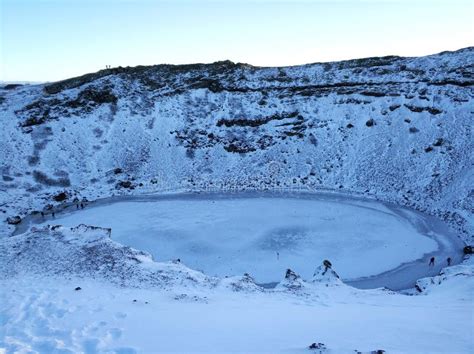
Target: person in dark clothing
77,206
42,214
449,261
432,259
82,206
53,214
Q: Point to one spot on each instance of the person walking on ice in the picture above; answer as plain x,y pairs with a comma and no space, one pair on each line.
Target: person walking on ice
432,259
449,261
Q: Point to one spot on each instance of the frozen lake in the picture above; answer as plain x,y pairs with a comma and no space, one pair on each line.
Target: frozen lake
264,234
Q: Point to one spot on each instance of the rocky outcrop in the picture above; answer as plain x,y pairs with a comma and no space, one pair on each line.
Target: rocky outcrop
291,282
14,220
324,274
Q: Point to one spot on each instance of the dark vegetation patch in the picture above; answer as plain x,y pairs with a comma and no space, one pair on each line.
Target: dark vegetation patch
373,93
74,82
11,86
238,135
244,122
60,197
124,184
369,62
42,178
45,109
417,109
452,82
240,147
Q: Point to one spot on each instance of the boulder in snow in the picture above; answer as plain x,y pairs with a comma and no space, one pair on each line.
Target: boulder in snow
14,220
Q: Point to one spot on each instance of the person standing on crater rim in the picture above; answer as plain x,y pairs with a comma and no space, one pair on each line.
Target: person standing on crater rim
432,259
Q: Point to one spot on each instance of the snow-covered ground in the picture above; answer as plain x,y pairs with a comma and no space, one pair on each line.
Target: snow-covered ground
48,315
265,234
75,290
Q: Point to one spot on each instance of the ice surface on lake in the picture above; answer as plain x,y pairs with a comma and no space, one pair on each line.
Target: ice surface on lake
263,236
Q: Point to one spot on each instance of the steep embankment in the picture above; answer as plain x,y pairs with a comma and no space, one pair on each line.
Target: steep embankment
395,128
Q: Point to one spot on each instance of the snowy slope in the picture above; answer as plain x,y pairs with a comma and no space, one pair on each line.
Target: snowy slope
74,290
399,129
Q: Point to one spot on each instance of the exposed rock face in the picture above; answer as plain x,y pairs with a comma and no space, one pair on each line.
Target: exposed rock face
234,126
14,220
292,281
326,275
60,197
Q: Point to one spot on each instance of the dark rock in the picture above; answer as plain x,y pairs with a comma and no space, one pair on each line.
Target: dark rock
78,288
291,275
373,93
319,346
14,220
245,122
238,149
434,111
417,109
60,197
11,86
118,170
370,123
394,107
468,250
428,149
350,126
210,84
124,184
97,96
438,142
33,121
413,130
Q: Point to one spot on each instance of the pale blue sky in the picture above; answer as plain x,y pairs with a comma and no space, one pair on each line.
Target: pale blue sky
46,40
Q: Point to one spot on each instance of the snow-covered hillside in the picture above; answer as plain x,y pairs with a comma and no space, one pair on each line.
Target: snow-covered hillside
399,129
395,129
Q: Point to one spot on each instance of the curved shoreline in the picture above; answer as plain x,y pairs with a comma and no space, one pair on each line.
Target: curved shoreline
402,277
